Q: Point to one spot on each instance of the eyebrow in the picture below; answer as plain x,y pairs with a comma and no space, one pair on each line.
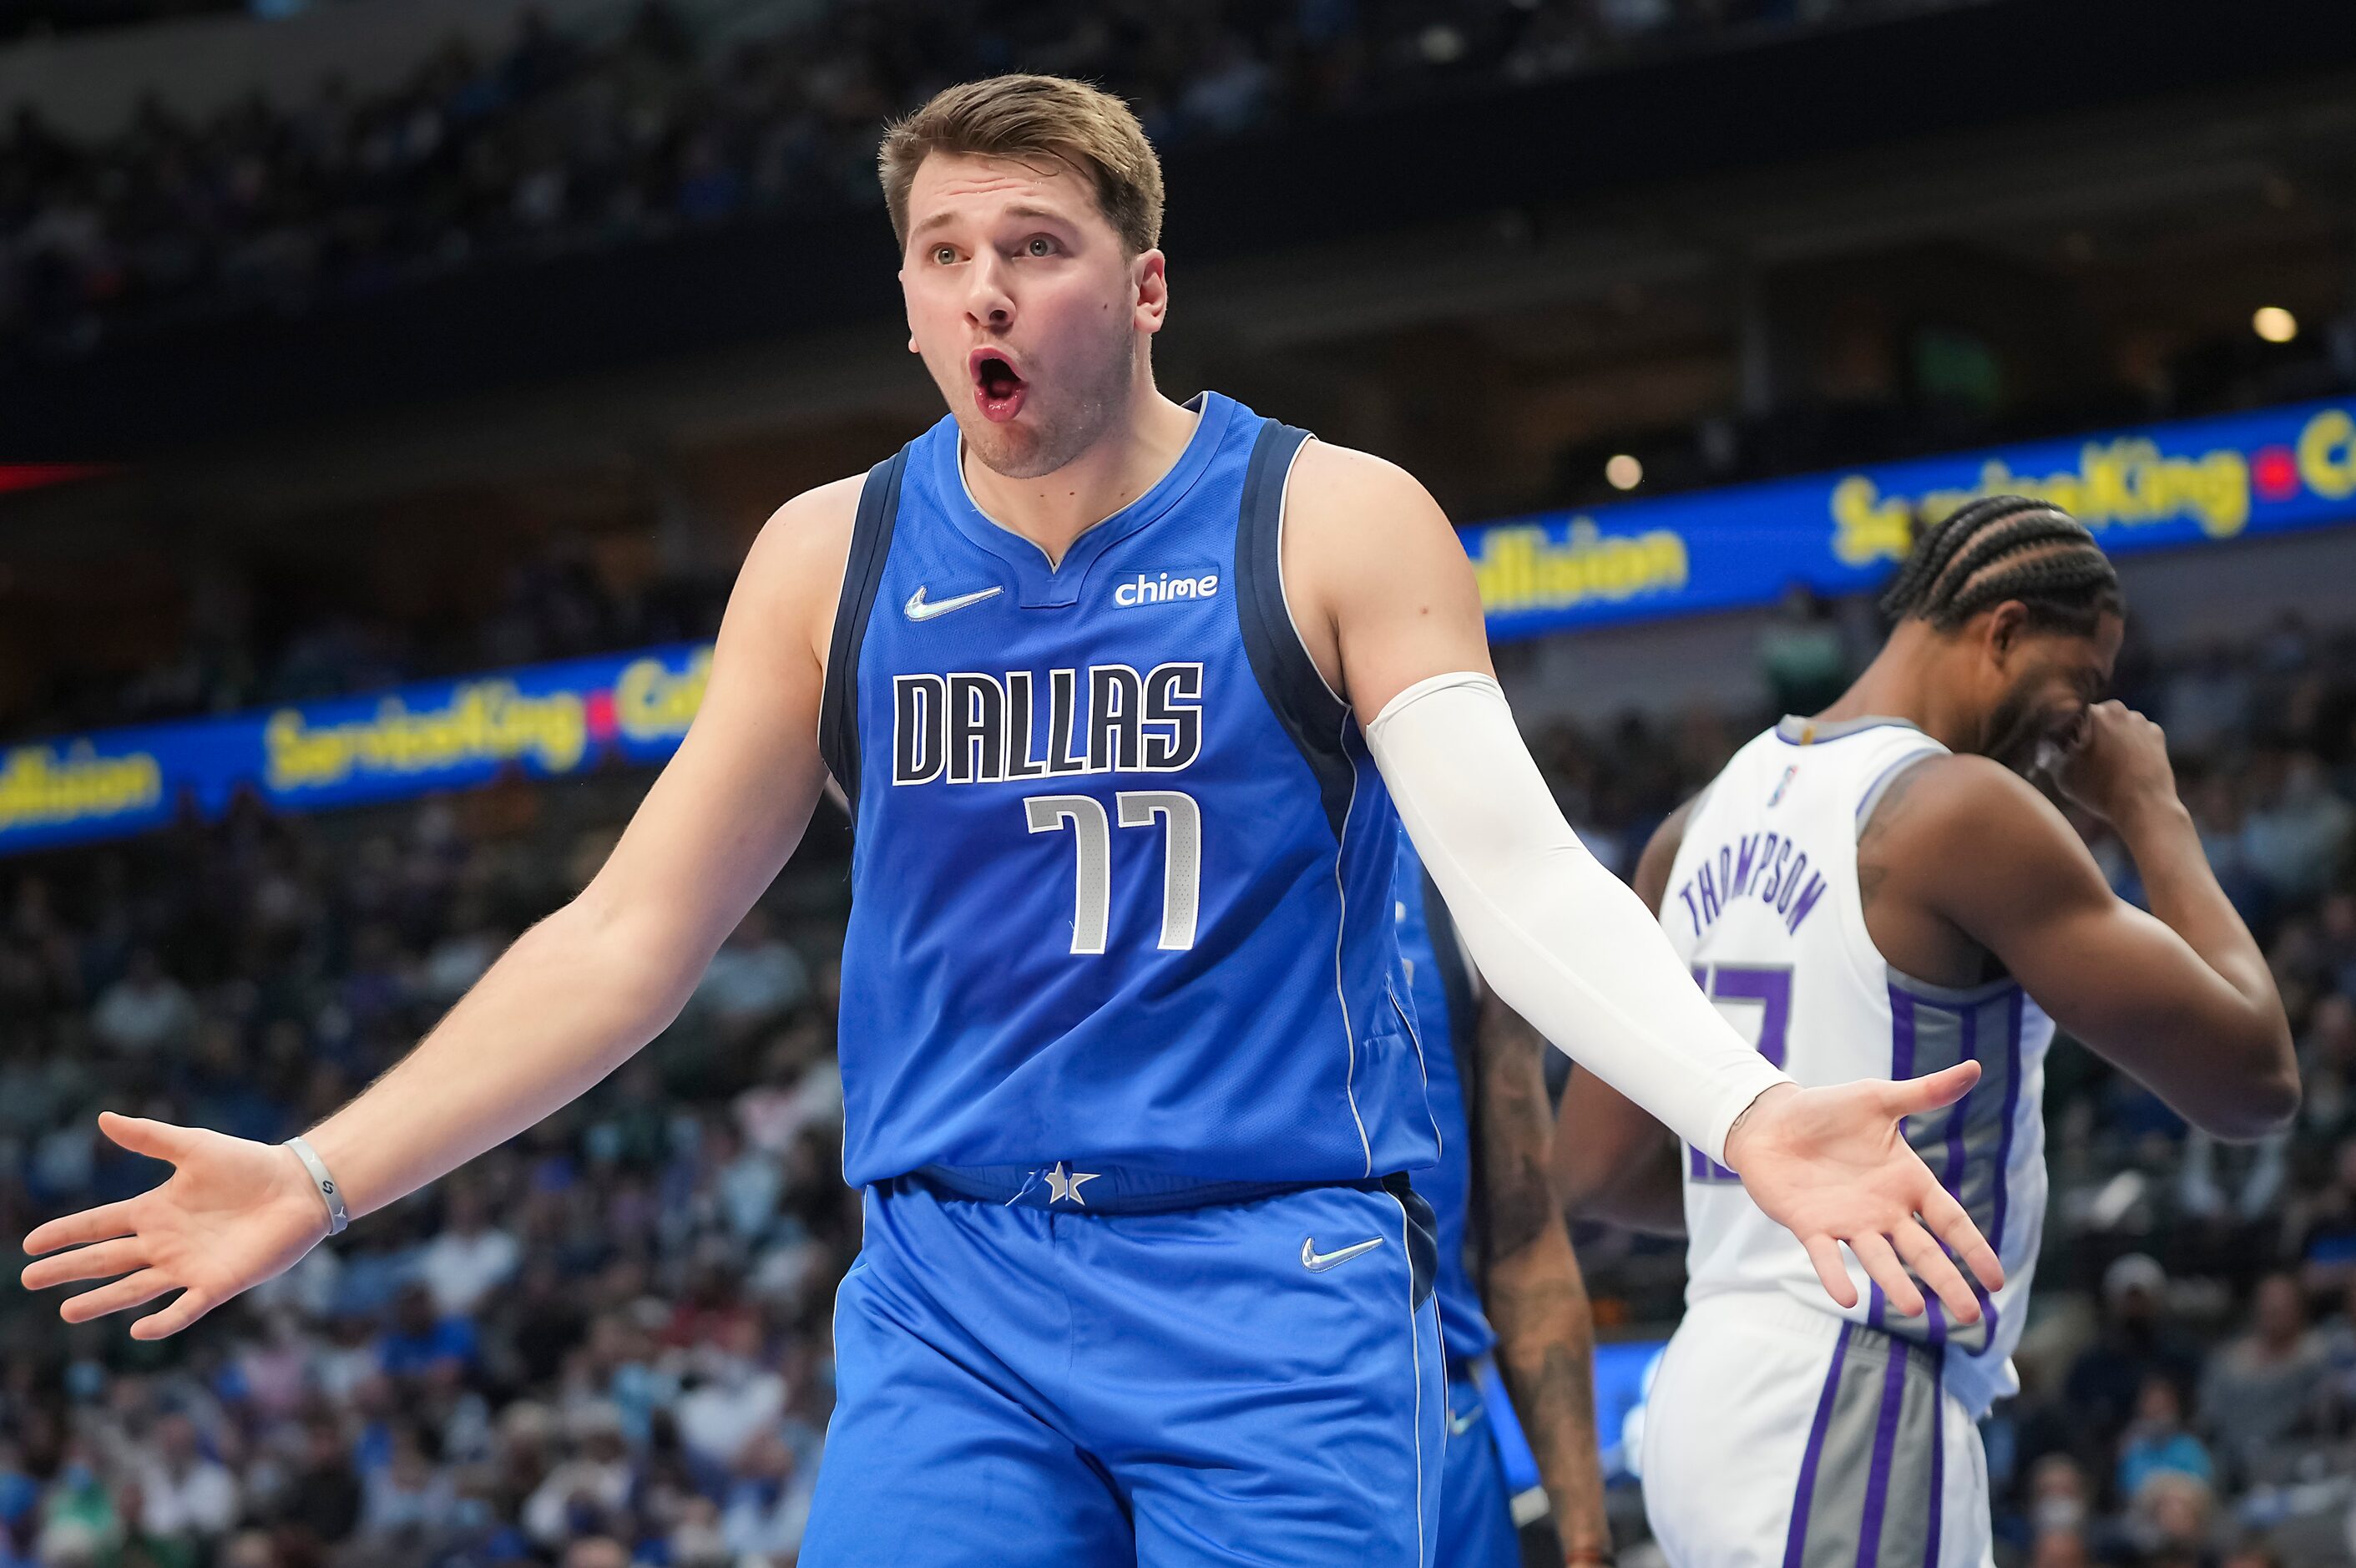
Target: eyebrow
1025,210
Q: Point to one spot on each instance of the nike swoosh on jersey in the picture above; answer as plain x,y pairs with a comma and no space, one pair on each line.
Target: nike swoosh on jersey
917,609
1317,1263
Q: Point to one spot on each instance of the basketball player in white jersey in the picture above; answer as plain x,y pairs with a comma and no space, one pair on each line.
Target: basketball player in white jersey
1878,892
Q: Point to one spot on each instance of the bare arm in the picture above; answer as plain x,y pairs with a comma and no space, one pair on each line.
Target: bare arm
1612,1162
2181,997
572,1000
1531,1285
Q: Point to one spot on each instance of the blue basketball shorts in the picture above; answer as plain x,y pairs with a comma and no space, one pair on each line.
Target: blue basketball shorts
1251,1382
1476,1504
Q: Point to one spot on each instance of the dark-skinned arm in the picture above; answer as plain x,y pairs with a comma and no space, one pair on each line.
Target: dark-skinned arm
1531,1285
1612,1162
2179,998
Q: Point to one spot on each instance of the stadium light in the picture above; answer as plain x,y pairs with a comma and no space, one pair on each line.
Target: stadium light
2274,324
1624,472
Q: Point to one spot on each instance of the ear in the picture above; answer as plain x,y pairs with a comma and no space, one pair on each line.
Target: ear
903,276
1152,278
2006,626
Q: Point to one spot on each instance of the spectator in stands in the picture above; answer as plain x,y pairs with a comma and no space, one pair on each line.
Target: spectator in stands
2260,1387
588,1494
470,1257
185,1496
2207,703
411,1502
755,979
422,1337
146,1011
2157,1441
324,1500
2336,941
2327,1068
734,1394
768,1504
597,1552
2172,1521
2297,832
2323,1222
2136,1344
1802,653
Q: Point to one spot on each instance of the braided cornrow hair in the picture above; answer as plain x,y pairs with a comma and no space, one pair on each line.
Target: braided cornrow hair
2006,547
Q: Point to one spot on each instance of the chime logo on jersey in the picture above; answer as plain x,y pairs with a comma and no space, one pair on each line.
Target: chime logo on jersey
971,728
1159,587
1782,784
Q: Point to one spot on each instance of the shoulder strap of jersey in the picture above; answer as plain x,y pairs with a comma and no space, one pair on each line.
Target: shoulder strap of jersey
863,573
1908,756
1289,679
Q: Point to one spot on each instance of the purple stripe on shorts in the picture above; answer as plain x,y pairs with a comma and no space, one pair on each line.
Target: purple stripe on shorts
1877,1306
1885,1442
2012,1104
1938,1460
1931,1308
1796,1543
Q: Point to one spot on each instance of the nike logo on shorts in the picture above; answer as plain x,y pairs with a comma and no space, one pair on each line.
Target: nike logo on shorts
917,609
1317,1263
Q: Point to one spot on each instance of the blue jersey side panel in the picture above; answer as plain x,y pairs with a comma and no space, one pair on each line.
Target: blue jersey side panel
1447,1018
1122,869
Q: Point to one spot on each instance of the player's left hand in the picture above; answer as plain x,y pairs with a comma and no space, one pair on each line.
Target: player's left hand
1831,1166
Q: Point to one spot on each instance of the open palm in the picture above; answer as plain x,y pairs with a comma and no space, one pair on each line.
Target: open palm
1831,1166
234,1214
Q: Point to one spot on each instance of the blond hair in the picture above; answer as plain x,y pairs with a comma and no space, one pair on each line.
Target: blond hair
1033,117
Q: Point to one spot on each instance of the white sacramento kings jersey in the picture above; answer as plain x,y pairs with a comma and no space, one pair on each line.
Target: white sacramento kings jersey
1762,902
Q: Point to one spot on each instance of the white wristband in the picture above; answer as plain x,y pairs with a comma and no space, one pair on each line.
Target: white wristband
329,1193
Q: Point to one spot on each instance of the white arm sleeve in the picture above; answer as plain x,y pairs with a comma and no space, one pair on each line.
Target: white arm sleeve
1561,940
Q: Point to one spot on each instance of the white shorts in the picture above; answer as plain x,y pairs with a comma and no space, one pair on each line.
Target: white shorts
1779,1436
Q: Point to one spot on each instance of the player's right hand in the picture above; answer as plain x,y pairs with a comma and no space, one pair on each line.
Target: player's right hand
1832,1165
232,1214
2118,764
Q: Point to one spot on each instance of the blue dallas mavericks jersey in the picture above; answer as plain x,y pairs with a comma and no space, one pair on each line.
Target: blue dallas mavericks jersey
1447,1014
1121,882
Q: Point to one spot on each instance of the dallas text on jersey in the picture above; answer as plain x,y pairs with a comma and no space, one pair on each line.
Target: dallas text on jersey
974,728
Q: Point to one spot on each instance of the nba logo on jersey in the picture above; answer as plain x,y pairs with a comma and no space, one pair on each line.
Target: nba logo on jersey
1782,784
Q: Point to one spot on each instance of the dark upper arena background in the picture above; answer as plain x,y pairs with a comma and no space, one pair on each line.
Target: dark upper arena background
357,343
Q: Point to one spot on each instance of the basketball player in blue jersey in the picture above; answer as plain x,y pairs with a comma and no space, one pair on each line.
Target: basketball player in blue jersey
1124,693
1504,1259
1878,891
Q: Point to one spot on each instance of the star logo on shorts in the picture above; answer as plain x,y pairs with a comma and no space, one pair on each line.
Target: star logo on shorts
1062,1184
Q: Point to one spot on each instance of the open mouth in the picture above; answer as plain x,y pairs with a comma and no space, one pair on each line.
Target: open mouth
997,386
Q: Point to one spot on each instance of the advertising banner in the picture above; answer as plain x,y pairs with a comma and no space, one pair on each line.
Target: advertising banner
550,719
2195,481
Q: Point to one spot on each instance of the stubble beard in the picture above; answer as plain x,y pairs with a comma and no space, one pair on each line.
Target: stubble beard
2016,733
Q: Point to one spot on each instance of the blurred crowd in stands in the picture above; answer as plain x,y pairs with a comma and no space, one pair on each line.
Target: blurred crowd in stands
609,1342
561,141
607,1339
239,650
